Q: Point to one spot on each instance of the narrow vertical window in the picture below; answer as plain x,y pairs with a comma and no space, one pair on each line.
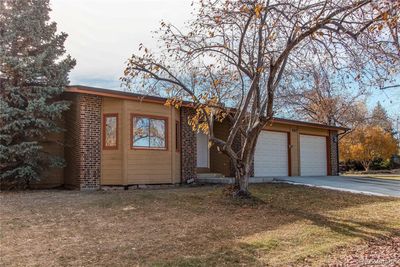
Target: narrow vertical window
177,136
110,131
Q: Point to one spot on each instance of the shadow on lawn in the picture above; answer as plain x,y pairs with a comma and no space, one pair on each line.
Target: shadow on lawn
351,228
328,202
203,227
318,207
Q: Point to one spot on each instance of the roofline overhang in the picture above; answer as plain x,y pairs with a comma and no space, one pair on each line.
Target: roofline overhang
82,89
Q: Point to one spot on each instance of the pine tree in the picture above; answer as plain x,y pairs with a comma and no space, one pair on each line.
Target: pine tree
380,118
33,73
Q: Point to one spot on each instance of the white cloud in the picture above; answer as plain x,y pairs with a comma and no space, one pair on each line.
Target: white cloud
104,33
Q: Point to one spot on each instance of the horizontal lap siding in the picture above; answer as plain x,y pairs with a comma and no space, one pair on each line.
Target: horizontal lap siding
127,165
51,176
72,142
149,166
111,160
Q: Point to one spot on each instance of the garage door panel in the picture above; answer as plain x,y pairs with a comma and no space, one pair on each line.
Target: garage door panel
313,159
271,156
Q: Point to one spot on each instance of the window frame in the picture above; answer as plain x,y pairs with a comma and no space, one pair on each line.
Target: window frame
154,117
177,136
105,116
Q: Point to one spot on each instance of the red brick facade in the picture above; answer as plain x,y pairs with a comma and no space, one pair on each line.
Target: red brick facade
90,142
83,142
188,146
333,150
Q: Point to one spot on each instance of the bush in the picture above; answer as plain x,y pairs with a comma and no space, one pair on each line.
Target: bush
380,164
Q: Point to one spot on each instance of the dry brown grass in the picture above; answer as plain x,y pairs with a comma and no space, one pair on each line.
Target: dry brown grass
189,226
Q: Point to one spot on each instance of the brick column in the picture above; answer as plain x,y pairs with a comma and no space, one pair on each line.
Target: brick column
334,152
188,146
90,142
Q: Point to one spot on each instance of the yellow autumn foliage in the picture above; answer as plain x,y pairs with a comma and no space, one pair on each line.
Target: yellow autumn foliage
366,144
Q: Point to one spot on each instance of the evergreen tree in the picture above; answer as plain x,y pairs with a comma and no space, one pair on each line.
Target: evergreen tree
33,73
380,118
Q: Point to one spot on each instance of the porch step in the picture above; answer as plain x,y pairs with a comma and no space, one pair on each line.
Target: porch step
210,175
231,180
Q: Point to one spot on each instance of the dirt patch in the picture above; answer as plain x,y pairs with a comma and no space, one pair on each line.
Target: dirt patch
381,252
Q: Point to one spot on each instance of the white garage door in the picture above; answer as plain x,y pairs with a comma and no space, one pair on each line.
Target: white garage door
271,156
313,155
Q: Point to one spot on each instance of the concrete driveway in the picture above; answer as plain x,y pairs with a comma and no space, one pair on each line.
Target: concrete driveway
372,186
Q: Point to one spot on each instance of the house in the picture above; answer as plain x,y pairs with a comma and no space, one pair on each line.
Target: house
115,138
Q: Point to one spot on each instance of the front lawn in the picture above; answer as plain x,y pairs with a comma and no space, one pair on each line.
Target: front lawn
197,226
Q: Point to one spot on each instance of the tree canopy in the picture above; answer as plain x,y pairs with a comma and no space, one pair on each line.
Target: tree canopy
33,73
380,118
366,144
235,57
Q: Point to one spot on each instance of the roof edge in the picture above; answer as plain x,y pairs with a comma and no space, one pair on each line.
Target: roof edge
161,100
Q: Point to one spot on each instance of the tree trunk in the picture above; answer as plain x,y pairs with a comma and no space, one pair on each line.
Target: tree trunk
366,165
243,165
242,175
243,190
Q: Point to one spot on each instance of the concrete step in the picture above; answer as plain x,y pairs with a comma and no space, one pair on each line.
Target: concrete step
231,180
210,175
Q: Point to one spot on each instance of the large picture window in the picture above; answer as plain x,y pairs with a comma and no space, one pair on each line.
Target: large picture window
149,132
110,131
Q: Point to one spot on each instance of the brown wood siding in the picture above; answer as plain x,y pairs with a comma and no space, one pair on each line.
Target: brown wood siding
71,150
111,159
52,177
128,165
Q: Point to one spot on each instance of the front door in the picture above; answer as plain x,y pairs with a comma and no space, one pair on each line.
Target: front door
202,151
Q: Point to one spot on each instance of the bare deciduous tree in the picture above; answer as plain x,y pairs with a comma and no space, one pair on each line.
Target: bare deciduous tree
322,97
234,56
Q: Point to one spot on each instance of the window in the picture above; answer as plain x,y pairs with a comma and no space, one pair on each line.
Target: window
149,132
110,131
177,136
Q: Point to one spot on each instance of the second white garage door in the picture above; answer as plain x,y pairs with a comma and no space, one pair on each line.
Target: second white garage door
271,156
313,159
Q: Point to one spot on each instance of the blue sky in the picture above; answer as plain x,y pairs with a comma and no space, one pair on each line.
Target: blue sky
104,33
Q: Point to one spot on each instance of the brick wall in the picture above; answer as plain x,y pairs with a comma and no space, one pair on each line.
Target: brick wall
188,146
83,142
333,150
90,142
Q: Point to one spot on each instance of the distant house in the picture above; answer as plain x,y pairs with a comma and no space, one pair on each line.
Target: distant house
117,138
